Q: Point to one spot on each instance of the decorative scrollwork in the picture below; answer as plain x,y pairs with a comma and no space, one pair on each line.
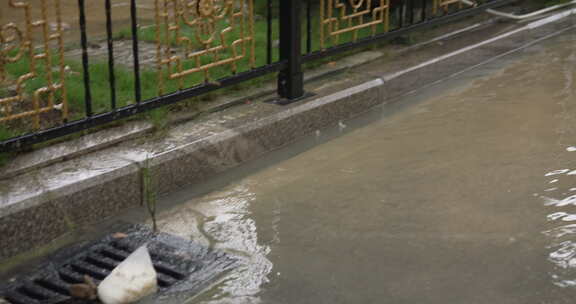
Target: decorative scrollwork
32,46
338,17
205,33
12,46
444,5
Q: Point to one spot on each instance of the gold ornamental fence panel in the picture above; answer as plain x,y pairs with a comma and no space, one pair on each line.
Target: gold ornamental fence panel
38,43
338,17
444,5
222,36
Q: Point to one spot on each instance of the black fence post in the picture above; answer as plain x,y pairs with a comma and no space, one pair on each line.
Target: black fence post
291,78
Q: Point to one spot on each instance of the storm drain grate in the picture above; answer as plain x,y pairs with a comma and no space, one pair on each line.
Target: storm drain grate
177,261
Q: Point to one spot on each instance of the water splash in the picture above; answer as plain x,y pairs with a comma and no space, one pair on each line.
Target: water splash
556,172
341,126
562,235
223,220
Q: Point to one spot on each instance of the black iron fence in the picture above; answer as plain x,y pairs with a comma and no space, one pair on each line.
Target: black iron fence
135,56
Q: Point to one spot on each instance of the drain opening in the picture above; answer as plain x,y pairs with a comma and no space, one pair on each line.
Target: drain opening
54,287
200,265
33,293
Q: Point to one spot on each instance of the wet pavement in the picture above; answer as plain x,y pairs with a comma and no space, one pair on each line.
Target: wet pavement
462,193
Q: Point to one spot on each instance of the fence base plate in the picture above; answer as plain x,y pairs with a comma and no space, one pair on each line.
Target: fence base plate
286,101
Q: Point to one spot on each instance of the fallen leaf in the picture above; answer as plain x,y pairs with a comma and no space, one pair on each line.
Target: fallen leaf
87,290
119,235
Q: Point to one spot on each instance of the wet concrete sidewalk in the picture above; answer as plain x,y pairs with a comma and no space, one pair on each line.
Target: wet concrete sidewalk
459,194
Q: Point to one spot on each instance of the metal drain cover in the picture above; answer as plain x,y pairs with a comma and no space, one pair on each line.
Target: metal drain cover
178,262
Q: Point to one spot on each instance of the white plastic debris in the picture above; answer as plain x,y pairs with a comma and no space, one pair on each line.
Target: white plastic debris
132,280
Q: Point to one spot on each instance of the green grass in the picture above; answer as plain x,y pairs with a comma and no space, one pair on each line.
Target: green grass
148,34
75,84
5,133
149,194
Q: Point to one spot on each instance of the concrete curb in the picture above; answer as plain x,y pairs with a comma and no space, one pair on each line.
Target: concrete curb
38,207
109,137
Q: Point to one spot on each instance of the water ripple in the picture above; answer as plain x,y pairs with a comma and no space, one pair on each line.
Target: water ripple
562,234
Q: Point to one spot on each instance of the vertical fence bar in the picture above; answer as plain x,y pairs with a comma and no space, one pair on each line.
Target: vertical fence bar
309,26
401,9
111,74
85,64
410,7
290,79
134,20
424,14
269,31
60,41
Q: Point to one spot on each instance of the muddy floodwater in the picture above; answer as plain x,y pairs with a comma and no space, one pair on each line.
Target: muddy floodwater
466,193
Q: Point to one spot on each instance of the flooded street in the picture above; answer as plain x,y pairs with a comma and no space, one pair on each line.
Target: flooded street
464,194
